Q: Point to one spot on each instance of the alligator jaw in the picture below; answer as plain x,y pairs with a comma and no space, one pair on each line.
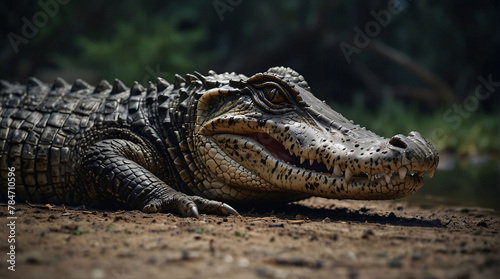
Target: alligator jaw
269,162
279,152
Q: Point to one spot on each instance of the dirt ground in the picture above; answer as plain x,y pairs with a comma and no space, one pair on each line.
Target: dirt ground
315,238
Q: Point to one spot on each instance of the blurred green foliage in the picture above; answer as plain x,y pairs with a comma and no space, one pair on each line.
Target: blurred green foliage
140,52
478,133
134,40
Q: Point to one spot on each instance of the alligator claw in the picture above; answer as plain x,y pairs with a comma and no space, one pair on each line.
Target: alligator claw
194,212
150,208
229,210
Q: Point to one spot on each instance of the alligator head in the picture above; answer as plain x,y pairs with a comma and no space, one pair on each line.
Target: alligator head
268,137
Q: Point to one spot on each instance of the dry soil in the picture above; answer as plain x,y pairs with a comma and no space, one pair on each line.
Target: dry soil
315,238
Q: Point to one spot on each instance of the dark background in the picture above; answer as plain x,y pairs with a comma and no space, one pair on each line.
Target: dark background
425,60
417,70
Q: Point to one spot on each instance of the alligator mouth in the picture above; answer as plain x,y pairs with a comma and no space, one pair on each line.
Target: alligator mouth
279,151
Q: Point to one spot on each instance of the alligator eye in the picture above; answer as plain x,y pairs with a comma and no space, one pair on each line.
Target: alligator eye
270,95
273,95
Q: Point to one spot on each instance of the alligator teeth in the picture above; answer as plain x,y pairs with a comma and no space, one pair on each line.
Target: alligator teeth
311,161
431,174
387,178
302,160
348,175
402,172
337,171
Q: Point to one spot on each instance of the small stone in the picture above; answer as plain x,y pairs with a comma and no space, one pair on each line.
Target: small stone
326,220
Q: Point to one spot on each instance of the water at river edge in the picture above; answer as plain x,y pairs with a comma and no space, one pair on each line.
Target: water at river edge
471,181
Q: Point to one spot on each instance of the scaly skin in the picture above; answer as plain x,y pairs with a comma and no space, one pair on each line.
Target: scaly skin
196,145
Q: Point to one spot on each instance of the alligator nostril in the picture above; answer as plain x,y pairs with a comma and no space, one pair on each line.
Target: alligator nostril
397,141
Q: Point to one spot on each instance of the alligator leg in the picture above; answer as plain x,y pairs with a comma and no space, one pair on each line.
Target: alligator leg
121,170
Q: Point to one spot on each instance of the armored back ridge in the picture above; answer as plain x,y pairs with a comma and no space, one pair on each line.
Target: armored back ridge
196,144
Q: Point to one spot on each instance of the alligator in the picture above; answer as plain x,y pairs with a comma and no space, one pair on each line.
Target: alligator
195,145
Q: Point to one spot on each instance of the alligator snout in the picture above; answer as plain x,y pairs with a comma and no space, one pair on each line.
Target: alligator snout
413,138
399,141
417,152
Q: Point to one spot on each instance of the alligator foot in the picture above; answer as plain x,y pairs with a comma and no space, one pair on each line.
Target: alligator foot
188,206
128,179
